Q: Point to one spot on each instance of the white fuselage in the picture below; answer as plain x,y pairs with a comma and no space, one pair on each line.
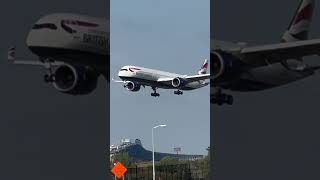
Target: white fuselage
72,38
151,77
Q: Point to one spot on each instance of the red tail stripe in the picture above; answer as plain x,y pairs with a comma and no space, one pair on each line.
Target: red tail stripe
205,65
132,69
304,14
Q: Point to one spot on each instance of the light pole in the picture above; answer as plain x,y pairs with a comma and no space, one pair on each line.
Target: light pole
153,167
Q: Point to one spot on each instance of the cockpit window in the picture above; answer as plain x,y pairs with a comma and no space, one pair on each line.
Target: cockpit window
123,69
45,26
64,25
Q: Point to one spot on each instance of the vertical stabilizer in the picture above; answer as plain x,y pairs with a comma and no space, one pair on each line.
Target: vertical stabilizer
12,53
204,67
300,24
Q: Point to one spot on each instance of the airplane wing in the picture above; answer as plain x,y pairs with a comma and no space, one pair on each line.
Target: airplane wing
118,81
12,58
268,54
189,79
197,77
46,65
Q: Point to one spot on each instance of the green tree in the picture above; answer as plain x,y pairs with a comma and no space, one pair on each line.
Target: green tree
124,158
167,160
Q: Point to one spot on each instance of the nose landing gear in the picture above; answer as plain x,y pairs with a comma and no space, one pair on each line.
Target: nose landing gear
49,77
220,98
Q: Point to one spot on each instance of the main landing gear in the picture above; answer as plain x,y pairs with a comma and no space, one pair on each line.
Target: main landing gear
50,76
178,92
220,98
155,94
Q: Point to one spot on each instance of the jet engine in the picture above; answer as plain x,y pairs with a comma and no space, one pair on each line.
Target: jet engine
178,82
224,64
133,86
75,80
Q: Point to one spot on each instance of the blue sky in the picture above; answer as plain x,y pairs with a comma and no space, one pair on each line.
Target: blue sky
171,36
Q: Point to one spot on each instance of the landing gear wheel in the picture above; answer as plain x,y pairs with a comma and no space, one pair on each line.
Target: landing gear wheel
49,78
220,98
155,94
178,92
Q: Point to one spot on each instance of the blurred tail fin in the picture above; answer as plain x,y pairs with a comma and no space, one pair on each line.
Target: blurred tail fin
299,27
12,53
204,67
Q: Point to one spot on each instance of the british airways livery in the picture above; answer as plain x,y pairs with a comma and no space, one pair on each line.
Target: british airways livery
73,48
134,77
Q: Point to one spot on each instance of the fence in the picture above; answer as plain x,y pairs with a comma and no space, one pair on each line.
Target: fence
194,171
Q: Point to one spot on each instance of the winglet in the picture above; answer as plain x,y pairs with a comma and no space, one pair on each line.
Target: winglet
12,53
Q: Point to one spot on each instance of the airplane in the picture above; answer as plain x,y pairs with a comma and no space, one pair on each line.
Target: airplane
238,67
134,77
73,48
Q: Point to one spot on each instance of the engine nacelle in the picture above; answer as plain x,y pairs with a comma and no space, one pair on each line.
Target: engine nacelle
133,86
75,80
178,82
224,64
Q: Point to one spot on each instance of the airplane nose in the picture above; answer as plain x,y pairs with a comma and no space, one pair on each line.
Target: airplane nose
122,74
29,41
125,74
38,38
